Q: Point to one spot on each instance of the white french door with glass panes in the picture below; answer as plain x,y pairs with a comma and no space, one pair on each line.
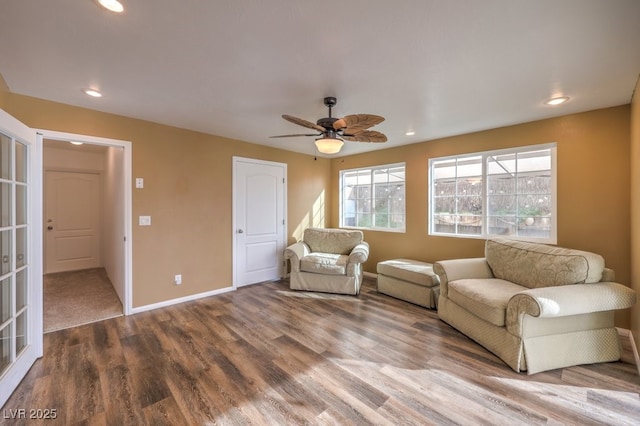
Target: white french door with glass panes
20,252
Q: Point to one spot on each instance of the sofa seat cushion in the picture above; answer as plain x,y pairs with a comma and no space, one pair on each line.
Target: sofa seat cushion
486,298
325,263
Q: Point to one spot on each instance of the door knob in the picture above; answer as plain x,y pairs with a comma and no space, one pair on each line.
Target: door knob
240,231
49,227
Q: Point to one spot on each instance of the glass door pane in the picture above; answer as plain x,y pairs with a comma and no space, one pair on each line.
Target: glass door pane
5,157
5,299
21,162
14,229
5,204
5,349
5,251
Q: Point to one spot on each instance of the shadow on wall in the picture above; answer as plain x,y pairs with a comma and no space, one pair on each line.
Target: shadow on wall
315,218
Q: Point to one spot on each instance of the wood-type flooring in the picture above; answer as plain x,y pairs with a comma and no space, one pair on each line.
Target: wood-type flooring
267,355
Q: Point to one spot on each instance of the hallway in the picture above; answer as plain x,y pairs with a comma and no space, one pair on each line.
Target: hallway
78,297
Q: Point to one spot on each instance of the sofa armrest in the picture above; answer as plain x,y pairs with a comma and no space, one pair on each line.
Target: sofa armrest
360,253
457,269
608,275
566,300
294,253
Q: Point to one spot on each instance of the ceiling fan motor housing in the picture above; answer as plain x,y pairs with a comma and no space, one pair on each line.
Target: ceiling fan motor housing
327,122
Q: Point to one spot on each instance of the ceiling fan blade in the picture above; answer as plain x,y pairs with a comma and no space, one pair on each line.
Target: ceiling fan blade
357,121
303,123
298,135
365,136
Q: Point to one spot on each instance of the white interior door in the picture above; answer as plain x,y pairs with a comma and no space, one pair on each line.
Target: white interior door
20,253
72,221
259,220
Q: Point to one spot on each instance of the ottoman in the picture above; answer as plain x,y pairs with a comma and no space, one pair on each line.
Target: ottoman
409,280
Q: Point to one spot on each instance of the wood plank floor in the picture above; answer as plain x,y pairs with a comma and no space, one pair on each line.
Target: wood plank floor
268,355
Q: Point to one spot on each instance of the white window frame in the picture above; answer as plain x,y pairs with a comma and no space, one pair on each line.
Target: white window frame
372,170
553,231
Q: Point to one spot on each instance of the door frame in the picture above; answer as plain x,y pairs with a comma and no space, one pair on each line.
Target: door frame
127,303
234,225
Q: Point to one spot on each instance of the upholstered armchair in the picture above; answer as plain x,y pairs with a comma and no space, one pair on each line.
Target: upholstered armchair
535,306
328,260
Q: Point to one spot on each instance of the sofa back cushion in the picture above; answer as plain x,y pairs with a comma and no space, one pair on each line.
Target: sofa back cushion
538,265
329,240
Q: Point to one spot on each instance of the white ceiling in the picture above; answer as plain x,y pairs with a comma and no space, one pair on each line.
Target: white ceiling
231,68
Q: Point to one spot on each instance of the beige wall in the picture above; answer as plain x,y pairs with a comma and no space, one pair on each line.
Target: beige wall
593,188
635,211
187,192
4,90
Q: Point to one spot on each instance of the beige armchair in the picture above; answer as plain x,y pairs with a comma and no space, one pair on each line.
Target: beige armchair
328,260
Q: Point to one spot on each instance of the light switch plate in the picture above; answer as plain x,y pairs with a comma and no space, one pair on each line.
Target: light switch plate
144,220
139,183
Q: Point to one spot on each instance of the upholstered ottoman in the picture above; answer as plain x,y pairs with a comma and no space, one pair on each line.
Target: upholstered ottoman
409,280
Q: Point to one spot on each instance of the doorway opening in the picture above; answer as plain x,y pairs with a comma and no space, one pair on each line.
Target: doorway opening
86,255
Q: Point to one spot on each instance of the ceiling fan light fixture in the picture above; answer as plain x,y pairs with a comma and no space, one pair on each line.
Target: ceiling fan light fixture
329,145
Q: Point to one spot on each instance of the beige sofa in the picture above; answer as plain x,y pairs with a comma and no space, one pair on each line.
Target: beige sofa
328,260
537,307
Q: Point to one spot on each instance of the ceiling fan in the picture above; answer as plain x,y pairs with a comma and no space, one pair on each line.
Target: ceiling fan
334,131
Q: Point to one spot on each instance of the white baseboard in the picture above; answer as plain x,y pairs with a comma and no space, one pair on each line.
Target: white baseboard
370,275
166,303
635,352
626,333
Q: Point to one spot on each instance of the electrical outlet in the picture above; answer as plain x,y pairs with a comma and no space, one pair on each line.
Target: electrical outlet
178,279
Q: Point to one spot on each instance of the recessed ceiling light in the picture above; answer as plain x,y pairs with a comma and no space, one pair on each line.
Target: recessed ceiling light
92,92
410,133
557,101
75,143
112,5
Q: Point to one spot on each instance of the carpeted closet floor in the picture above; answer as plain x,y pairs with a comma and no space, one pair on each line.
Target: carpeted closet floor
78,297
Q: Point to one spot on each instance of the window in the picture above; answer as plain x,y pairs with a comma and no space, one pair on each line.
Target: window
373,198
507,193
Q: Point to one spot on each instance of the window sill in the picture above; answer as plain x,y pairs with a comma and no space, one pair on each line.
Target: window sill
395,231
551,240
